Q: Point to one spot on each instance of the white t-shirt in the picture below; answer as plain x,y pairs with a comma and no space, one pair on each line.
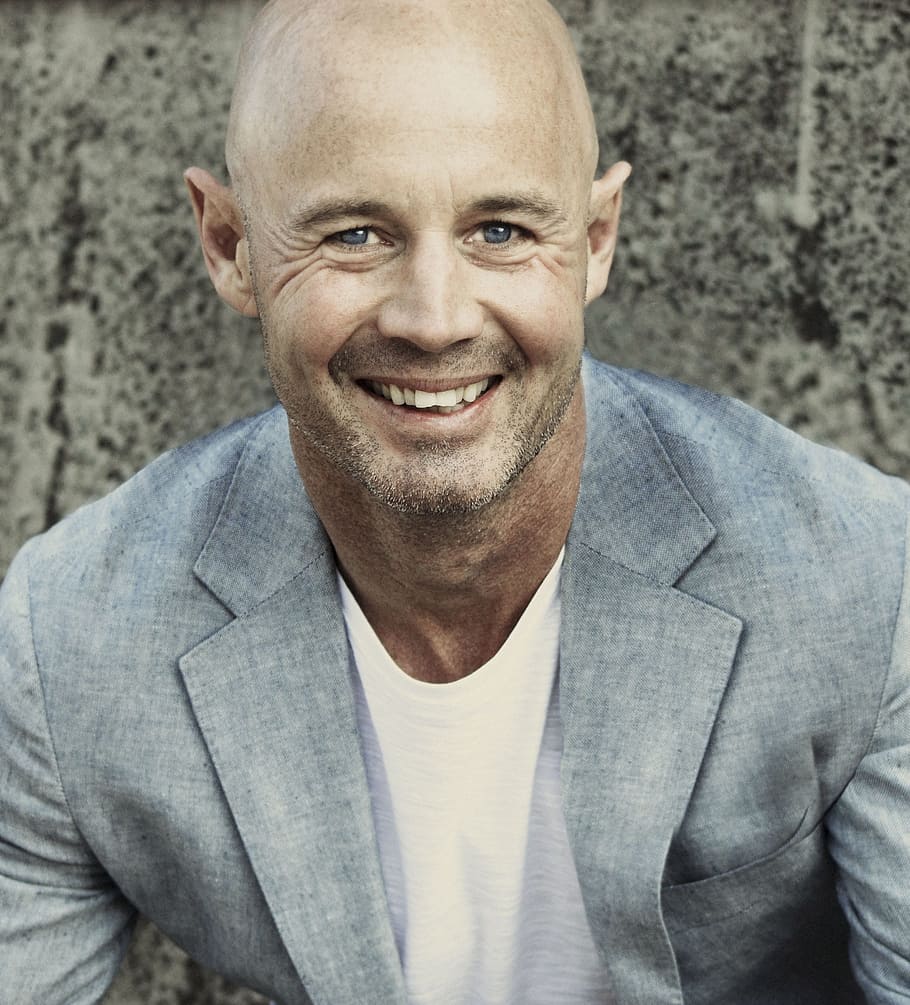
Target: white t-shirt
464,780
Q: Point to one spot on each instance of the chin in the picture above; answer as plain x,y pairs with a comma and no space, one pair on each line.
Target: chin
449,490
441,503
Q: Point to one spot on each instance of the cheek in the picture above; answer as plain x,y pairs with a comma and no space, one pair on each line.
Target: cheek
542,309
312,321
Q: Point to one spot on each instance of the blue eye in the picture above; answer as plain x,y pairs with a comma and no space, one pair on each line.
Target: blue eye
497,233
354,236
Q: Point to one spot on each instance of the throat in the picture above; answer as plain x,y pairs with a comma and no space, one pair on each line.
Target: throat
441,654
442,633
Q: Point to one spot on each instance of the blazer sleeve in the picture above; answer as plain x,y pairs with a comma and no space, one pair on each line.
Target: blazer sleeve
64,926
869,835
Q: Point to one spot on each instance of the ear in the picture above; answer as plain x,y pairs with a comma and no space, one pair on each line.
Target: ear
224,242
603,224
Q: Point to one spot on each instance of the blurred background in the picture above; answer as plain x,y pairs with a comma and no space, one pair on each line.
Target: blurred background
764,253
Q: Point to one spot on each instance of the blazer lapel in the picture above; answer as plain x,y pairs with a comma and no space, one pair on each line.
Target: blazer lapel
643,667
271,693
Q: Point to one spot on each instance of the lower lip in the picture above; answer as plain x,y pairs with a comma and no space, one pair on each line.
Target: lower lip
428,419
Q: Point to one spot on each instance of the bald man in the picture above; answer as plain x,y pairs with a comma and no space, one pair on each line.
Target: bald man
476,671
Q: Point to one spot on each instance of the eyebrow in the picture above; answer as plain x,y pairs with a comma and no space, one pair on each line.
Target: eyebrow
532,204
327,210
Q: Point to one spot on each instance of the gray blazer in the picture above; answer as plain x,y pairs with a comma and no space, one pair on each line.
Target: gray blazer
177,733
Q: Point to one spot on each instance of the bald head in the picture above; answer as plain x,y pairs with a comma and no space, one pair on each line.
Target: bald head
302,56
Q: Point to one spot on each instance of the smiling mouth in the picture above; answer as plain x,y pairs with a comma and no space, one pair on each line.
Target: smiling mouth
453,399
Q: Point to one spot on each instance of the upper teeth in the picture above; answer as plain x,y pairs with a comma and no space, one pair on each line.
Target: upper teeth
449,398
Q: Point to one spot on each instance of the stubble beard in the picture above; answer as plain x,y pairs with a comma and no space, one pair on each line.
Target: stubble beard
438,483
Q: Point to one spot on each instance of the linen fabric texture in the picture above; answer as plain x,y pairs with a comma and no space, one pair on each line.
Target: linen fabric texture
178,733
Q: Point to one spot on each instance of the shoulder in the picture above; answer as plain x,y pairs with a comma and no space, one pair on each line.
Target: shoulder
722,446
800,533
104,553
181,481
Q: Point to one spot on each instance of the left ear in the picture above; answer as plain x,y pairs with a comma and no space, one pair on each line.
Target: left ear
603,224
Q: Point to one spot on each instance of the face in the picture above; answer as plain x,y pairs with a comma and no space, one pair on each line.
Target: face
418,250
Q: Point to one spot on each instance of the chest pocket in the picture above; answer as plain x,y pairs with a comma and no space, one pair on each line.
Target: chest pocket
746,888
767,933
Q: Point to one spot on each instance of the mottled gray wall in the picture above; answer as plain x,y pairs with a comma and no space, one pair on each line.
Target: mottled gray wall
765,250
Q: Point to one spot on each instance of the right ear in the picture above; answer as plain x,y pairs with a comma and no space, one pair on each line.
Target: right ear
223,239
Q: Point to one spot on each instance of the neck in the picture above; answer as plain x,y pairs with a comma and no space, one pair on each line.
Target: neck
444,592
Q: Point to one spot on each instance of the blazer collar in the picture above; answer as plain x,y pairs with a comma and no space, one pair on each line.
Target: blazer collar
633,507
267,530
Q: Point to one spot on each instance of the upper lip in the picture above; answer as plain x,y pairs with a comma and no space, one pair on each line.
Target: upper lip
422,384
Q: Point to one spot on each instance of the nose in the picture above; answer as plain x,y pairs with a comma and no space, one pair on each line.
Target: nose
430,303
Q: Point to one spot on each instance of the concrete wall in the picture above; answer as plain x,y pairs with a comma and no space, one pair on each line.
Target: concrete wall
765,253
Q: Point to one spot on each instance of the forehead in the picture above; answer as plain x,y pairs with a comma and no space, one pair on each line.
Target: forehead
404,117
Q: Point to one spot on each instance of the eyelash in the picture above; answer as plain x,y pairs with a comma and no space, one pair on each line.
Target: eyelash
518,234
336,237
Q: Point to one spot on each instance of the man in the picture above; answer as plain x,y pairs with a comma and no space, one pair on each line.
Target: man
479,671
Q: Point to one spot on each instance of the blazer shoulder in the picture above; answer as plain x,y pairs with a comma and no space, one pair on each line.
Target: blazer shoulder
170,504
716,437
